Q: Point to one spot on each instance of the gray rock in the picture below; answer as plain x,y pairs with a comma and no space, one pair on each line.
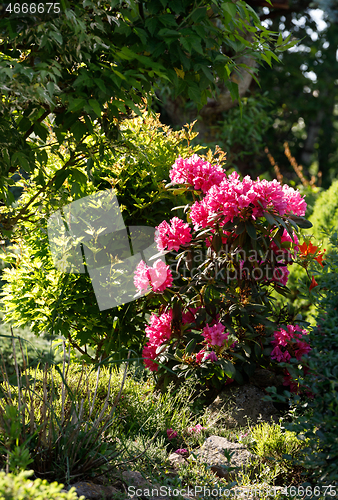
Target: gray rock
135,481
265,378
237,405
175,459
212,453
93,491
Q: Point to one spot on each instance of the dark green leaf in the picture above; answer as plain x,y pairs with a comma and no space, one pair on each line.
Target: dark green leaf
60,178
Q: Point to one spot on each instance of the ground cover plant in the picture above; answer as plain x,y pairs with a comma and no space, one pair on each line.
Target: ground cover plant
145,426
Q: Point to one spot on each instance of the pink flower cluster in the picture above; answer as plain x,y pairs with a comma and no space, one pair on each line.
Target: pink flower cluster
158,332
203,355
159,276
214,335
172,236
189,315
171,433
246,198
197,172
197,429
181,451
288,343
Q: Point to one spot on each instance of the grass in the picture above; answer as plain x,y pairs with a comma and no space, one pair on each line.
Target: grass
129,425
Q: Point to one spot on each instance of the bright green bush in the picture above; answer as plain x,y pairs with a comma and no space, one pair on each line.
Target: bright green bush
37,294
325,213
15,487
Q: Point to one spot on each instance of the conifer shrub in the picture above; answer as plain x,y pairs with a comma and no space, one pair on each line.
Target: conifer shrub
325,213
319,420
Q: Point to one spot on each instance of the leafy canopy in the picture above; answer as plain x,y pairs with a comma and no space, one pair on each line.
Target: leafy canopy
68,79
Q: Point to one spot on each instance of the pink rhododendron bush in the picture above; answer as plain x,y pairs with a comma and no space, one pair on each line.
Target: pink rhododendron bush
228,251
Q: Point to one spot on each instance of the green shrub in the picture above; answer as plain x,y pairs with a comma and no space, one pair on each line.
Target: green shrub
325,213
14,487
39,295
319,423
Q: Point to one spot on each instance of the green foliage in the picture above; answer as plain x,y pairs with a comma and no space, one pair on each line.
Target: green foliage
304,91
51,302
325,213
273,445
318,421
242,133
13,487
35,350
118,52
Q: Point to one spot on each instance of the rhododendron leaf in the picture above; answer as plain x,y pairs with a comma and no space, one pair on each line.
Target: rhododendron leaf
277,241
251,230
267,351
242,238
228,368
240,228
282,290
228,225
293,224
271,220
217,242
301,222
191,346
179,191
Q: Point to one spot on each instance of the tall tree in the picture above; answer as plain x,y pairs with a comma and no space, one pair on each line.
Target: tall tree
305,91
70,74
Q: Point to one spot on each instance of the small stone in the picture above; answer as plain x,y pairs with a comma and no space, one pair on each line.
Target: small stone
175,459
93,491
212,453
241,404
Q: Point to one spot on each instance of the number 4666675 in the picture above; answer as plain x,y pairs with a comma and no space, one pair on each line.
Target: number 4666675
33,8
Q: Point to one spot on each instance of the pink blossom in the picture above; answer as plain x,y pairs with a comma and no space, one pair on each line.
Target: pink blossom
292,338
189,315
181,451
148,355
171,433
159,276
284,251
303,348
172,236
158,332
197,429
280,356
212,357
214,334
200,356
247,199
197,172
281,275
295,202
